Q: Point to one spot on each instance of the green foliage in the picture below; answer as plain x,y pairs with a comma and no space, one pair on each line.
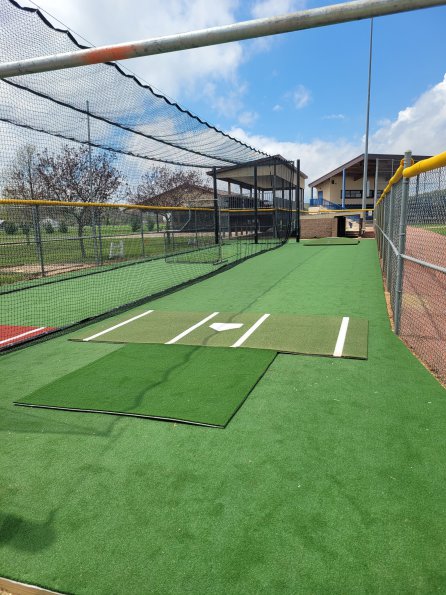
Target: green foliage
135,222
25,228
10,227
48,227
150,225
63,227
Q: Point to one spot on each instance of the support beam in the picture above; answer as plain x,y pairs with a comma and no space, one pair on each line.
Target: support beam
375,192
343,187
216,209
298,200
295,21
256,208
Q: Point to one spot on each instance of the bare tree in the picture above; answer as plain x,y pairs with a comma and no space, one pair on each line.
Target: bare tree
22,179
70,177
22,182
165,186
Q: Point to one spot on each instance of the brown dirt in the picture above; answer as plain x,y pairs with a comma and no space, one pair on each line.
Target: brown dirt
50,269
423,314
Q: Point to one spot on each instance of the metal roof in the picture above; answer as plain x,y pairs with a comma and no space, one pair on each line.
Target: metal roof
388,163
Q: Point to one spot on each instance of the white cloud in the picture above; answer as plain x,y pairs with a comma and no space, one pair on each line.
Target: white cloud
317,157
277,108
334,117
248,118
271,8
301,97
420,127
227,104
113,21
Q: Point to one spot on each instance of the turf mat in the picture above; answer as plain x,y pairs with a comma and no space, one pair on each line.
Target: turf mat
169,382
331,242
309,335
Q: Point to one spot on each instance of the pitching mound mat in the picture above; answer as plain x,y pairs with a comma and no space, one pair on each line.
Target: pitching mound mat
331,242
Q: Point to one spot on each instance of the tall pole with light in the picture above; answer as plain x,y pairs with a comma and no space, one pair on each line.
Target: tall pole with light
367,121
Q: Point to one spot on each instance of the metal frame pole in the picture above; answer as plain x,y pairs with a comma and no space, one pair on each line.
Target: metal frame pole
387,248
256,208
375,191
365,176
143,248
38,236
90,190
298,200
401,245
305,19
274,201
216,212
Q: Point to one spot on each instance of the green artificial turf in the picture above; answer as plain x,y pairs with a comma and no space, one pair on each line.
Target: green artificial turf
330,479
330,242
314,335
168,382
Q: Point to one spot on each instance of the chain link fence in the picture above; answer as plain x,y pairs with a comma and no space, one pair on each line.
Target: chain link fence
410,223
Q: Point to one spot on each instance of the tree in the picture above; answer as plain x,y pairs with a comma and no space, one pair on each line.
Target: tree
165,186
69,177
22,178
22,182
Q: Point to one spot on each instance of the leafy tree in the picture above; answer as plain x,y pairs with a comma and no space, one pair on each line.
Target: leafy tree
63,227
48,227
10,227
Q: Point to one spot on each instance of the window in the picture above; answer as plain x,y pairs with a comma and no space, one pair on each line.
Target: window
352,194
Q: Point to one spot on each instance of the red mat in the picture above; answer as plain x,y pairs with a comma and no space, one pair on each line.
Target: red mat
9,334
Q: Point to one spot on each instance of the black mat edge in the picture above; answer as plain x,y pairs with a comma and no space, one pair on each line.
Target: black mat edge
122,414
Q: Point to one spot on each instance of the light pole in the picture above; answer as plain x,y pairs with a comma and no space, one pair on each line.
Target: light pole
367,121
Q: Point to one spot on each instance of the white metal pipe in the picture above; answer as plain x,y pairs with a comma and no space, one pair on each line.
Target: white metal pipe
304,19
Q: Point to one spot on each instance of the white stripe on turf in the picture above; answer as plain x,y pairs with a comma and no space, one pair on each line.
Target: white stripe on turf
192,328
249,332
112,328
339,347
35,330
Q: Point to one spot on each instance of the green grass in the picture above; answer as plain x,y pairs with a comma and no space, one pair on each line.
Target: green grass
441,229
330,479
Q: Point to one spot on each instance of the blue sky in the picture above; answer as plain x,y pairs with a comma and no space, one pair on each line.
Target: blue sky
301,94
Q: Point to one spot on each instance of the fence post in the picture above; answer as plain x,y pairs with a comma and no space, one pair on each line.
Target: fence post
298,201
401,245
216,211
274,201
143,249
95,237
39,247
387,248
256,207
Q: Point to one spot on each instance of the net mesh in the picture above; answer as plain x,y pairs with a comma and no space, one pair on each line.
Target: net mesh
423,289
105,194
